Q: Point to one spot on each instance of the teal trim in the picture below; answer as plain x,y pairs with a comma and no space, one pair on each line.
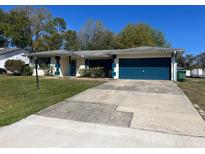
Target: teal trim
57,72
57,65
113,72
113,66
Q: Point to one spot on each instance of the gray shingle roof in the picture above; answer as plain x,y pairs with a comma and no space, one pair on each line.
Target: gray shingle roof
107,53
51,53
96,53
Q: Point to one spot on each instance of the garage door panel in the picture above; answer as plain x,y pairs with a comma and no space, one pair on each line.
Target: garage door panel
155,68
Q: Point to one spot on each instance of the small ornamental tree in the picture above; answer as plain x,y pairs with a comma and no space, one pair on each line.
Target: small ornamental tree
15,66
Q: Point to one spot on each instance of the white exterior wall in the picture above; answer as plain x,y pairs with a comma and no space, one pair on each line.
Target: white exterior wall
64,64
80,64
42,72
10,56
129,56
52,64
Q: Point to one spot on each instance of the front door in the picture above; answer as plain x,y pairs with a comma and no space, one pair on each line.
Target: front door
73,68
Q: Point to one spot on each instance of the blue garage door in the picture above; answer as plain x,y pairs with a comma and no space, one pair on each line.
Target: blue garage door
149,68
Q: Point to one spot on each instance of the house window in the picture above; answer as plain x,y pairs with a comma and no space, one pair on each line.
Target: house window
44,63
105,63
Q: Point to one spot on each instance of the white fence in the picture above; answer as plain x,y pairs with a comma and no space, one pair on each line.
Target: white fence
195,73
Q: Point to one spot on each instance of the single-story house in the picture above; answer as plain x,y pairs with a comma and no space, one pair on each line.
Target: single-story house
12,53
154,63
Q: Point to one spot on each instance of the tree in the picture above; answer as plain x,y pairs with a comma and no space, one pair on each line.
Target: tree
40,19
53,36
189,61
94,36
49,42
19,29
3,38
14,29
57,25
181,59
47,32
3,41
71,40
199,61
136,35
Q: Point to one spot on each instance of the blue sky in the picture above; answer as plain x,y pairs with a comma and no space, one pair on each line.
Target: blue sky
183,26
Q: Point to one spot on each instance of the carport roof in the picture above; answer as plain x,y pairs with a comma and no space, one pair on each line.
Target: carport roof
106,53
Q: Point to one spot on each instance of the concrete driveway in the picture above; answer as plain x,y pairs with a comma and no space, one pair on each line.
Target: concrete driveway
119,113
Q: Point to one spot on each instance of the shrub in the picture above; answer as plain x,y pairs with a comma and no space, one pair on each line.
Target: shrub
97,72
44,66
27,70
15,66
50,71
92,72
85,72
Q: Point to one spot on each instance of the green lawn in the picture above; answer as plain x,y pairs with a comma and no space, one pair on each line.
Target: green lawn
19,97
194,88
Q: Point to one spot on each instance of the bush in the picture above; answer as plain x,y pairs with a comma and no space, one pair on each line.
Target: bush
97,72
43,66
92,72
27,70
85,72
15,66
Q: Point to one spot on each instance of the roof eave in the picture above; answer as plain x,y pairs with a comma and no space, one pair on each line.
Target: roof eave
49,54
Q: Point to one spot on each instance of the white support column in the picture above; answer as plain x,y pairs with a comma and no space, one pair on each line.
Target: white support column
80,64
174,67
52,65
116,69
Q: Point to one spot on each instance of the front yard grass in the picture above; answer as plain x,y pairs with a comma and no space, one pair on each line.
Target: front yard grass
19,98
194,88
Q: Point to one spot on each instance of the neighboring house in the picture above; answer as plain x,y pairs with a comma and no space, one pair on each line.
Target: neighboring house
12,53
154,63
